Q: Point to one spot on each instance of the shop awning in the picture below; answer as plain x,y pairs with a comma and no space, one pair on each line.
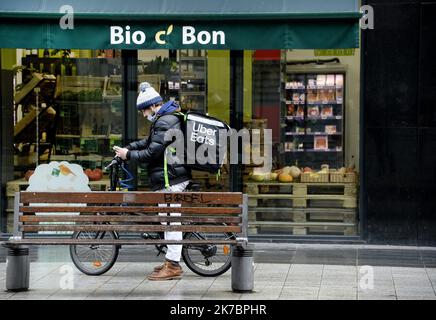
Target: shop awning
179,24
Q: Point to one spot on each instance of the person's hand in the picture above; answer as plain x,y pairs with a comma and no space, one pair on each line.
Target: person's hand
121,152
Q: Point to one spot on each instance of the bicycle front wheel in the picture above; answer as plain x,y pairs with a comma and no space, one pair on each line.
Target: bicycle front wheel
94,260
209,260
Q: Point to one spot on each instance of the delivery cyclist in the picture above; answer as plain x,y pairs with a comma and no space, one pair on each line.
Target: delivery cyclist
152,151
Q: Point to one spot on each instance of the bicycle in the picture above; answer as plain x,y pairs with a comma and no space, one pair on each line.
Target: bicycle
205,260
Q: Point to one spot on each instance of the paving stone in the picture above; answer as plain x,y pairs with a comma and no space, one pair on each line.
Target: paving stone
416,298
221,295
297,297
407,291
376,297
306,293
339,293
34,294
260,296
307,267
418,283
272,266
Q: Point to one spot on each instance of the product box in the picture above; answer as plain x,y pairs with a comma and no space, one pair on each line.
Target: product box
321,143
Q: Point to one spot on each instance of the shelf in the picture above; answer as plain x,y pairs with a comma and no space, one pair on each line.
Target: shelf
192,58
67,136
312,134
294,118
296,103
326,150
86,103
324,118
324,87
299,88
110,98
312,103
193,93
193,75
295,133
314,118
313,150
323,134
316,88
324,103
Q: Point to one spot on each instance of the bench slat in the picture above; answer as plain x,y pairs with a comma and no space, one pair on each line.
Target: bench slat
131,228
112,242
135,209
104,218
105,197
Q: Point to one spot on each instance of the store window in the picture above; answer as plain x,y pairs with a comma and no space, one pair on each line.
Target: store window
198,80
309,99
67,106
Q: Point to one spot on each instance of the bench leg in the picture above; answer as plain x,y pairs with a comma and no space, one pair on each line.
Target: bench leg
242,269
17,269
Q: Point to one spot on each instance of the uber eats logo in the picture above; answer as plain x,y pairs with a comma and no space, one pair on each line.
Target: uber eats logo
202,134
126,35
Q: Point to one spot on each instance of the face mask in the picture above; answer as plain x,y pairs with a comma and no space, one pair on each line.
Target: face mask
151,117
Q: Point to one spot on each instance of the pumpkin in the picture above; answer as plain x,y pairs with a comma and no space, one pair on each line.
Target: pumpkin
94,175
273,176
284,177
258,177
307,169
286,170
295,172
28,174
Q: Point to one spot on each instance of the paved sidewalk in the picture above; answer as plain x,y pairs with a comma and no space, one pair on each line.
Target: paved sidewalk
291,278
272,281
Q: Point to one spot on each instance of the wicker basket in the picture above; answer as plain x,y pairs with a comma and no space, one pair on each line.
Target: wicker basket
337,177
314,177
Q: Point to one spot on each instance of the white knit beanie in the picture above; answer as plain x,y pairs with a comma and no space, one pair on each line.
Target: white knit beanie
147,96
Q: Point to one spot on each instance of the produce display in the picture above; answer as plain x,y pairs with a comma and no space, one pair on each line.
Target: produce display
94,175
28,174
289,174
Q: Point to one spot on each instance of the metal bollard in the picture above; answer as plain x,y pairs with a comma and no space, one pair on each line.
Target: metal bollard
242,269
17,269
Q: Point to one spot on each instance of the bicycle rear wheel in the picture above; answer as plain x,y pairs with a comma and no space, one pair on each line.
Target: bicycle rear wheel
208,260
94,260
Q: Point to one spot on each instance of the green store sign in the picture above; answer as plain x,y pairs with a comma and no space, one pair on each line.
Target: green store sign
236,35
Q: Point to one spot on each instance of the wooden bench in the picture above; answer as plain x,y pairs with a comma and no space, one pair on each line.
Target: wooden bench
36,213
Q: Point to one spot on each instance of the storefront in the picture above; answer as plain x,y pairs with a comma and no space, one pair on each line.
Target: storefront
289,66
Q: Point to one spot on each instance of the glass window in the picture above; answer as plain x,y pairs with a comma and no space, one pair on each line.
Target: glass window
66,107
310,102
199,80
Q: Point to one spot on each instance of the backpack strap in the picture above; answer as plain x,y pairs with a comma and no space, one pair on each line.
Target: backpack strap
179,113
171,149
166,178
218,175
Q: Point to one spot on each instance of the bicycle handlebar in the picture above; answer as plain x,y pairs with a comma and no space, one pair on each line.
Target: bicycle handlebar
115,160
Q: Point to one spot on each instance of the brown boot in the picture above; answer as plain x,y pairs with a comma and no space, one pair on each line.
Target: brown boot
168,272
158,268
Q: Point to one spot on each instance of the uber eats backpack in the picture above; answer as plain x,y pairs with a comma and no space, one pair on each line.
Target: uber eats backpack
207,133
